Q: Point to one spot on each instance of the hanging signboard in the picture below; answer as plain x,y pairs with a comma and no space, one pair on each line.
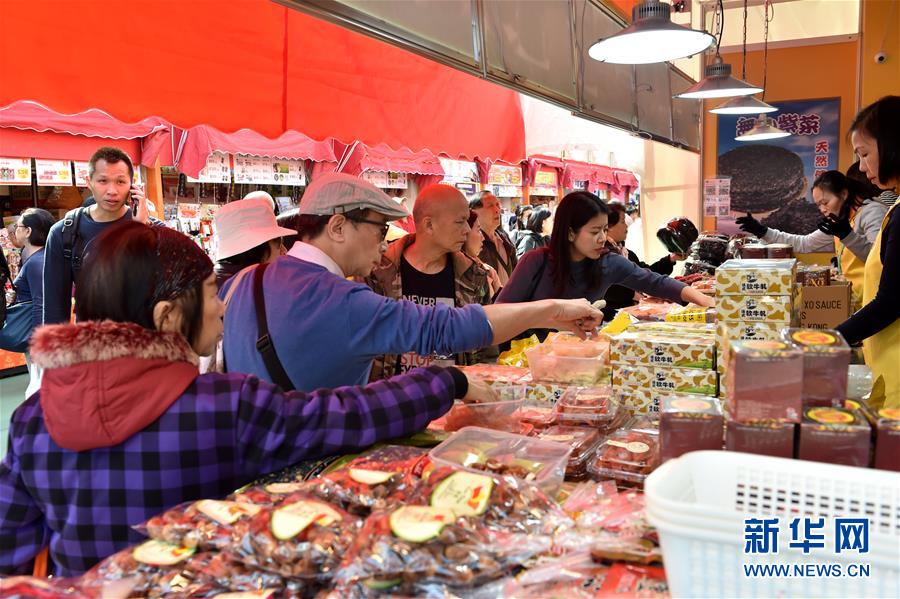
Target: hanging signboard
717,197
53,172
501,174
773,179
253,169
15,171
545,183
289,172
386,180
459,171
81,170
506,191
217,169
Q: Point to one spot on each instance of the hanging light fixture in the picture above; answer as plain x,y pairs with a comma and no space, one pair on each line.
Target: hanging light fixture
651,37
743,104
764,127
717,81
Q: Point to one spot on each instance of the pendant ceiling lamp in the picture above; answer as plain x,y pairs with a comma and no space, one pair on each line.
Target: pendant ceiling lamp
744,104
717,81
764,127
651,37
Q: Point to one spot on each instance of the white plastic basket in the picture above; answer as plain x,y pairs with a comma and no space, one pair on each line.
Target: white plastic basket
699,502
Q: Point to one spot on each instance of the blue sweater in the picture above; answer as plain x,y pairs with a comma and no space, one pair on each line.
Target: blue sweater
615,269
29,284
327,330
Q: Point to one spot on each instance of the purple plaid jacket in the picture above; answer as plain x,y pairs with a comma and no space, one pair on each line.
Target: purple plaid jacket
222,432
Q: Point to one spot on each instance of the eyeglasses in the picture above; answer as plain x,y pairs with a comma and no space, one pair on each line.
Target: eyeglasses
383,226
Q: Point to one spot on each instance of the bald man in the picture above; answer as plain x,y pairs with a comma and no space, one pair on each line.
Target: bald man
429,268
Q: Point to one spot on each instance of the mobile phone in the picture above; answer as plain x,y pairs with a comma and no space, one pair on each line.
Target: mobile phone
134,204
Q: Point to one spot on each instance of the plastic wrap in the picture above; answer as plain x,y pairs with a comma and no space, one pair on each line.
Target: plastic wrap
31,587
497,415
634,582
573,576
587,406
627,457
765,381
569,360
887,439
826,358
583,441
689,423
359,490
764,437
205,524
834,436
151,569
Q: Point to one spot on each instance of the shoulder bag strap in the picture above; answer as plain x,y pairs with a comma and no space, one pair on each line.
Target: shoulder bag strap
264,343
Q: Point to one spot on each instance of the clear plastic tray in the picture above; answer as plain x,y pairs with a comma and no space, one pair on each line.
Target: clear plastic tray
568,360
477,449
630,453
495,415
587,406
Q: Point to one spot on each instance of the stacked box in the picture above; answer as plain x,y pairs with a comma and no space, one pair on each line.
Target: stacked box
754,301
764,381
690,423
826,361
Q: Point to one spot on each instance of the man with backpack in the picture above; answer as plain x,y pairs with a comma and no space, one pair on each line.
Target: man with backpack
111,179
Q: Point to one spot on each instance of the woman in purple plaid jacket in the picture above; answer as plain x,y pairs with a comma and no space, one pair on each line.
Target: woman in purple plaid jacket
124,427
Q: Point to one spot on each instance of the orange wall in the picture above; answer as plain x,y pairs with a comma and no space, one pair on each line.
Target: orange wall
880,79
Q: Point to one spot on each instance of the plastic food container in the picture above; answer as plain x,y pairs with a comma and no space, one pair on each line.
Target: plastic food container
754,250
477,449
496,414
587,406
779,251
627,456
572,362
583,441
539,417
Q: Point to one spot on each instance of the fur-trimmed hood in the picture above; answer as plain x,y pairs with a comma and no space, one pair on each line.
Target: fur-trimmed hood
105,381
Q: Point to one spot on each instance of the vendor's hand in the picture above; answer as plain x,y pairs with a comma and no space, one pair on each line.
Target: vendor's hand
143,211
479,391
678,257
577,316
835,225
751,225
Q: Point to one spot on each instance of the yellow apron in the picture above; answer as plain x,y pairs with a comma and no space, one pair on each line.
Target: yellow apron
853,269
882,350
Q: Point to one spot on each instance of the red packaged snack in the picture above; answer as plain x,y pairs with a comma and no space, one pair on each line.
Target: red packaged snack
763,437
629,580
835,436
266,494
826,357
587,406
31,587
151,569
627,457
303,537
689,423
361,490
221,574
765,381
206,524
887,439
583,441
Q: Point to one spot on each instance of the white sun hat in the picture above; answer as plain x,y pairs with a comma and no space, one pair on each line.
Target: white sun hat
244,224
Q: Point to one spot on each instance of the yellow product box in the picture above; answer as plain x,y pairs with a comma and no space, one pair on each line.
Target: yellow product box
638,401
755,308
690,329
661,350
666,380
738,330
756,277
542,393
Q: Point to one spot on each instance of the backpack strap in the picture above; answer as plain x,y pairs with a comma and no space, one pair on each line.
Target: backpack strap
264,343
71,225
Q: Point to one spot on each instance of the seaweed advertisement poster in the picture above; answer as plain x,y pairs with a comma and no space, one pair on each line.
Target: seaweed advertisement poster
772,179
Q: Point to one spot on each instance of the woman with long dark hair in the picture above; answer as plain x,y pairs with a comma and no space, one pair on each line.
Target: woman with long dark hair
578,263
875,136
851,220
537,231
124,427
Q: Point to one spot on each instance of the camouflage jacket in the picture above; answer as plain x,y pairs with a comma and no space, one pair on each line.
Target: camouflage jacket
471,287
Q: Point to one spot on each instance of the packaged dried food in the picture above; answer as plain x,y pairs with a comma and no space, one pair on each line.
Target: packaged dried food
542,463
587,406
539,417
217,574
32,587
779,251
887,439
361,490
627,456
692,313
649,311
834,436
765,381
749,331
711,248
754,251
150,569
389,458
813,276
666,380
573,576
697,266
756,277
583,441
496,373
635,582
689,423
587,495
646,348
497,415
826,359
569,360
764,437
755,308
205,524
303,537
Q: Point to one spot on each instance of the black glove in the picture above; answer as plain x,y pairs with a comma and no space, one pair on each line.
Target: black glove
835,225
751,225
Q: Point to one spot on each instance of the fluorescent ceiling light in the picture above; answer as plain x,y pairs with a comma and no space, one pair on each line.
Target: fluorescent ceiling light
743,105
652,37
765,128
718,83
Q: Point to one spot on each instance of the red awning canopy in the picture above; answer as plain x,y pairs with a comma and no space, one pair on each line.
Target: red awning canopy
203,140
594,174
539,162
625,178
258,66
359,158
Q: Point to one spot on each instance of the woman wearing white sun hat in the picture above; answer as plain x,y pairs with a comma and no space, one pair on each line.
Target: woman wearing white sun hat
248,234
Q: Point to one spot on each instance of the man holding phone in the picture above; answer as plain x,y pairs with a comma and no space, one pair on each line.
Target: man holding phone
111,179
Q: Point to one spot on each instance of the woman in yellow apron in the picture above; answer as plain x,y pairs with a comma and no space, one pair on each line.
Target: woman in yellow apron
851,222
875,135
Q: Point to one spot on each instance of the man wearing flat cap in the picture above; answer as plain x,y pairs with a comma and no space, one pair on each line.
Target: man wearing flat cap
326,330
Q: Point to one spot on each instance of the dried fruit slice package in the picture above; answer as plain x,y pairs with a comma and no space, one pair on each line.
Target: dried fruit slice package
206,524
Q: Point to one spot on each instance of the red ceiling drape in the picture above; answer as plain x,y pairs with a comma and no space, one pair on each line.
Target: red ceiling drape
249,64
